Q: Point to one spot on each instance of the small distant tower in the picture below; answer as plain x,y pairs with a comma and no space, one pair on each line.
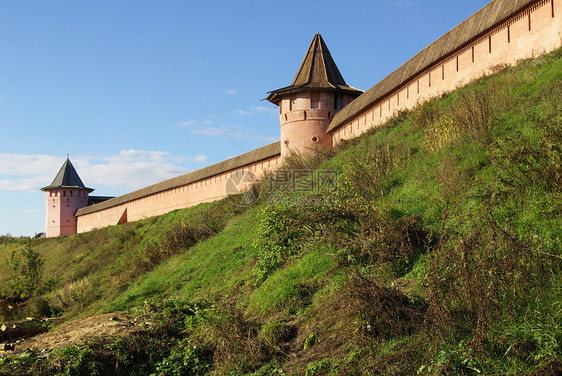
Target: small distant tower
63,197
307,106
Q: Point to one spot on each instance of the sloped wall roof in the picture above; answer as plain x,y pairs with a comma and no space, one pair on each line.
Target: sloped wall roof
479,23
253,156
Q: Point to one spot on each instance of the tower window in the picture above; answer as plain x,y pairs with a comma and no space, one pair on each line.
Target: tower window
337,101
64,193
70,193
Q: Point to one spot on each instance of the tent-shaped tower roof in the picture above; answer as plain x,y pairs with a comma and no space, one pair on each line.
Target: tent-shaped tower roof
318,71
67,178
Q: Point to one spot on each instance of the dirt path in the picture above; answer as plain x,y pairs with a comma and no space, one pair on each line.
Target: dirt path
78,331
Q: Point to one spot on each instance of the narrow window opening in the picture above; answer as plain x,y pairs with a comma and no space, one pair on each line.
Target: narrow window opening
473,54
442,72
381,111
337,101
489,45
389,105
552,7
457,63
408,92
398,99
418,86
70,193
64,193
529,21
508,34
429,75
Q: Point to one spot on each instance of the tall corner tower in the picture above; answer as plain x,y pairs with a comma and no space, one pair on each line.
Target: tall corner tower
307,106
63,197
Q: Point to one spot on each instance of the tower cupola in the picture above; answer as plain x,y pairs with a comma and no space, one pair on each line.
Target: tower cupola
307,106
63,197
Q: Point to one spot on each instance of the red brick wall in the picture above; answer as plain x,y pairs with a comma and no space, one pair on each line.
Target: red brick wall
511,41
205,190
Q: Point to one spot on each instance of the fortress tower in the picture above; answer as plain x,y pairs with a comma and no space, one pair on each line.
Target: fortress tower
307,106
63,197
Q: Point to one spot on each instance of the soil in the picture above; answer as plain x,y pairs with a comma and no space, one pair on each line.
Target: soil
77,332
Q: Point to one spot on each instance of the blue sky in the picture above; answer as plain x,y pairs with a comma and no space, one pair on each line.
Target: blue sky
85,78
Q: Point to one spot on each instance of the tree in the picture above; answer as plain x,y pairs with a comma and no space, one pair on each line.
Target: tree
26,269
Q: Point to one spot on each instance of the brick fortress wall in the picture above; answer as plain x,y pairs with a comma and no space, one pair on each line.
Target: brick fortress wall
530,32
533,28
206,185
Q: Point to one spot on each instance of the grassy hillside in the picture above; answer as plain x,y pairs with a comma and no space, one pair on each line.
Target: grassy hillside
436,250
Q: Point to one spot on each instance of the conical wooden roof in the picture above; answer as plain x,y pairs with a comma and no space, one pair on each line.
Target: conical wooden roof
67,178
318,71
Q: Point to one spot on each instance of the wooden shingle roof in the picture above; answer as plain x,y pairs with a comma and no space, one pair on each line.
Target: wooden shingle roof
318,71
67,177
479,23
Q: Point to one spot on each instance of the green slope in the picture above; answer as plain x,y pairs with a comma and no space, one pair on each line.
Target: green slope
438,253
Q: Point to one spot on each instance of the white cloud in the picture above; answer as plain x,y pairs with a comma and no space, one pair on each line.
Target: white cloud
258,109
192,122
230,92
236,132
129,169
269,110
399,3
201,158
